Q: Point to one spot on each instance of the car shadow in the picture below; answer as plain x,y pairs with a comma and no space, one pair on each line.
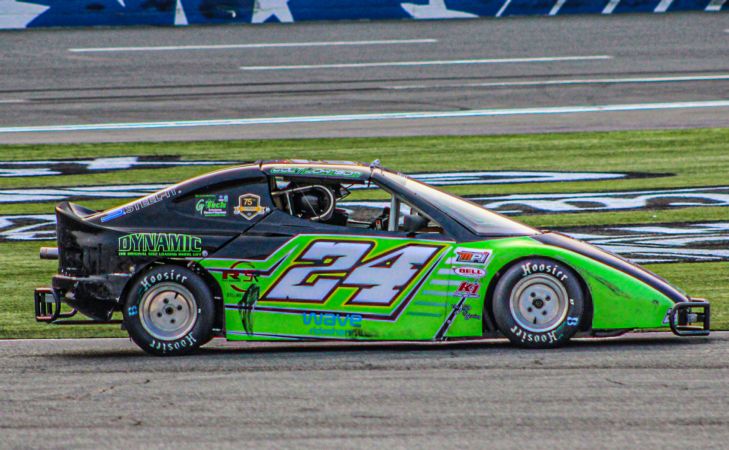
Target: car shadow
220,347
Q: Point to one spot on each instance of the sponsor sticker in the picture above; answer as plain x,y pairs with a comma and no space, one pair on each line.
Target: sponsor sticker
472,256
160,244
469,272
468,289
315,172
249,206
142,203
211,205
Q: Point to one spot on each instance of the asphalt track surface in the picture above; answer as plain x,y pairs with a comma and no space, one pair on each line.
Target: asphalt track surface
60,77
637,391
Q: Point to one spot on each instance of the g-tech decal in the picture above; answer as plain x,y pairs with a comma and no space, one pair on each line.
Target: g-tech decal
211,205
160,244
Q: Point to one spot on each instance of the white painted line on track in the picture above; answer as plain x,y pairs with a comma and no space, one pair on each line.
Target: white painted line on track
13,100
258,45
566,82
374,116
543,59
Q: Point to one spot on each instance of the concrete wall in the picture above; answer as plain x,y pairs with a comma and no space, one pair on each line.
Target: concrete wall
64,13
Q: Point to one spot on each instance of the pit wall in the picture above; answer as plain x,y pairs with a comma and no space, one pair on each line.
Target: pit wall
16,14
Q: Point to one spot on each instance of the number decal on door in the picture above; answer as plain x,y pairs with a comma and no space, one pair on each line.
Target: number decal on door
326,266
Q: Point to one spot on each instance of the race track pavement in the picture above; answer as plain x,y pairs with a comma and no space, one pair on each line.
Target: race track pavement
587,64
637,391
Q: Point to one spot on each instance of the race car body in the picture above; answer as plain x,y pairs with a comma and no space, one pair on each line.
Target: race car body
271,251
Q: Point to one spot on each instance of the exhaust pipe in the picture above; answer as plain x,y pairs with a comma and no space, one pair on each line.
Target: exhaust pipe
49,253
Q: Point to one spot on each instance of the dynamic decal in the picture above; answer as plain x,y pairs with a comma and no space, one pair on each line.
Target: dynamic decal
211,205
588,202
249,206
469,272
44,168
57,194
160,244
327,266
140,204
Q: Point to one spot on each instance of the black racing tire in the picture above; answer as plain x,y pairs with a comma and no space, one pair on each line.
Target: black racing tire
539,303
169,311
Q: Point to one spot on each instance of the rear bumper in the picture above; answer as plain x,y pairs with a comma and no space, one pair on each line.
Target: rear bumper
49,309
692,318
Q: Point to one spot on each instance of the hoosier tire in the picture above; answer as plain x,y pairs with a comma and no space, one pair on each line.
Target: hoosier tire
169,311
539,303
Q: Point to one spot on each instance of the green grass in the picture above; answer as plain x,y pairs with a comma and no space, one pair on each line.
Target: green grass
693,157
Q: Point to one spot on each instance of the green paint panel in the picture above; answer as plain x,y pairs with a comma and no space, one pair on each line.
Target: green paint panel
382,288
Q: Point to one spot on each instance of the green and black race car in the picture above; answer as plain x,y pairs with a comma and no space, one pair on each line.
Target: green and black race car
270,251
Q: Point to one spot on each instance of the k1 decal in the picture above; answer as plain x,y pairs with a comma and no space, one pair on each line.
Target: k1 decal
467,289
160,244
327,266
249,206
211,205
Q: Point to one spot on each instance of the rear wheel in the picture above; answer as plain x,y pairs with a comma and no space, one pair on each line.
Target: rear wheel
538,303
169,311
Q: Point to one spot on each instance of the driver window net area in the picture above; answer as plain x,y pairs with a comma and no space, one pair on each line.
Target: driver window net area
310,200
322,201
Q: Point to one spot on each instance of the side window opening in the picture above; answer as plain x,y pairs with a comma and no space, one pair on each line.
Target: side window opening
322,201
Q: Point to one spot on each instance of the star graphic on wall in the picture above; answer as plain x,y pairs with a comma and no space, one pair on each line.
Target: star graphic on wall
265,9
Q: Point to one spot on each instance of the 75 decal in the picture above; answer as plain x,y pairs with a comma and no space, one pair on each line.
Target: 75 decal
325,267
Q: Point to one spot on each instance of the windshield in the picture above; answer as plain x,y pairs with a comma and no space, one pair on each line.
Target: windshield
472,216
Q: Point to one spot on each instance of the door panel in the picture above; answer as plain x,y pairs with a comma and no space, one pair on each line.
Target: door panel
337,287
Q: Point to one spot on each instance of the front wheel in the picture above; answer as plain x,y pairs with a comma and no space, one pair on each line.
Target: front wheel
538,303
169,311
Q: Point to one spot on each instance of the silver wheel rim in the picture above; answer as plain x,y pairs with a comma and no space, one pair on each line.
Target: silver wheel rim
539,303
168,311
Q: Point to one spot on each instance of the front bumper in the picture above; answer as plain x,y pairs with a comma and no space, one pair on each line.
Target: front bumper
683,317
